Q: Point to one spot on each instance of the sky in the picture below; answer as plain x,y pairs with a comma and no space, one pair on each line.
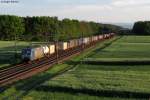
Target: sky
107,11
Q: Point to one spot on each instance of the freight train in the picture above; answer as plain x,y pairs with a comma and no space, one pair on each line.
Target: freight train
34,53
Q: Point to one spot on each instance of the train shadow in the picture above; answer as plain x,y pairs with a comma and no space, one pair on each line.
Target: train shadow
91,92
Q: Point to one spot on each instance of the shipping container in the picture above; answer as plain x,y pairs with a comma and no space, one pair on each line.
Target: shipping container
105,36
86,40
92,38
76,42
71,43
80,41
36,53
95,38
62,45
51,48
100,37
45,49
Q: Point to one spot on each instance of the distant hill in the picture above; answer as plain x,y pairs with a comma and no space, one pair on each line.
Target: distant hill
125,25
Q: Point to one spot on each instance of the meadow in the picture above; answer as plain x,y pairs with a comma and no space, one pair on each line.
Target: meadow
127,48
81,81
97,82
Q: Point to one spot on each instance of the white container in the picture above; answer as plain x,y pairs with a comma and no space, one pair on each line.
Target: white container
80,41
62,45
93,39
51,49
76,42
36,53
71,43
45,49
100,37
85,40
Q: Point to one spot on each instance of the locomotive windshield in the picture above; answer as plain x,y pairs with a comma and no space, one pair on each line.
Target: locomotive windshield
26,51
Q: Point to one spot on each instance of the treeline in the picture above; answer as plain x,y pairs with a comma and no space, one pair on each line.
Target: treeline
49,28
142,28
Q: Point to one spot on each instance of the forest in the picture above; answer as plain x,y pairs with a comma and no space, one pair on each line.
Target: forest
142,28
46,28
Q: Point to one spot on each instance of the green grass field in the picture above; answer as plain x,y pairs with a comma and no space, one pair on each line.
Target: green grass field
92,82
96,79
133,47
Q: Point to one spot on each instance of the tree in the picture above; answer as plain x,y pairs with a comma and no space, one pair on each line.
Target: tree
46,28
142,28
11,27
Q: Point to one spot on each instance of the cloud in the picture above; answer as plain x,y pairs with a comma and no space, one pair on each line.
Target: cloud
131,3
115,11
102,13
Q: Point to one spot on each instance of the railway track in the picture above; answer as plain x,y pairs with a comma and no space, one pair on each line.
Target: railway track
25,70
